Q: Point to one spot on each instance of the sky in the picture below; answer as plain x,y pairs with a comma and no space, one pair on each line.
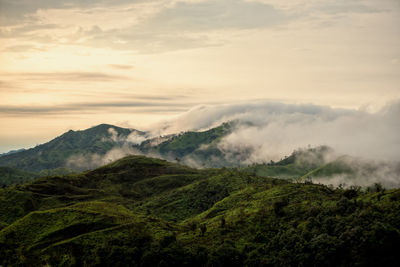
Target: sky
74,64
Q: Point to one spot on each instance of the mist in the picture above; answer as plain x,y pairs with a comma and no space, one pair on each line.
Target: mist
93,160
272,130
265,131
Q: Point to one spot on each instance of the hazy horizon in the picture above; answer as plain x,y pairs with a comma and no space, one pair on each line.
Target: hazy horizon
75,64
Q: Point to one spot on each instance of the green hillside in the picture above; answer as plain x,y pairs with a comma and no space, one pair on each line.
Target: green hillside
11,176
188,142
54,157
54,154
335,167
194,148
300,163
142,211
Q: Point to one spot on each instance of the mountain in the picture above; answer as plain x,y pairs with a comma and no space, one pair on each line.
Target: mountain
12,152
81,150
54,154
198,149
76,151
142,211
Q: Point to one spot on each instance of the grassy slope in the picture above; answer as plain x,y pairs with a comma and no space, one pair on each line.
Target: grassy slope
142,211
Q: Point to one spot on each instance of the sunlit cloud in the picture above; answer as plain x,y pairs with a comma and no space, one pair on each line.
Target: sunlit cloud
90,107
65,76
57,57
121,66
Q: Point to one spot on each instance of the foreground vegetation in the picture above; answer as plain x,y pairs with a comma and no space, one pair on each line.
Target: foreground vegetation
141,211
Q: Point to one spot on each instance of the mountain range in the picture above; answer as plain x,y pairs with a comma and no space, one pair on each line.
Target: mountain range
81,150
111,196
76,151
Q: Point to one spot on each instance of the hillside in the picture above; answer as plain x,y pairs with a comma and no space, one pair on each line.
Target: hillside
142,211
297,165
76,151
199,149
12,176
54,154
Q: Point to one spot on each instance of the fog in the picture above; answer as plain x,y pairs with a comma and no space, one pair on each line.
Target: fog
270,131
273,130
94,160
265,131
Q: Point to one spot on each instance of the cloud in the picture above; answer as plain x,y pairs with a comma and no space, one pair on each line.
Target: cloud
186,25
26,29
269,130
65,76
94,160
121,66
161,26
23,48
91,161
211,15
344,7
135,137
207,116
91,107
16,10
365,173
325,6
147,27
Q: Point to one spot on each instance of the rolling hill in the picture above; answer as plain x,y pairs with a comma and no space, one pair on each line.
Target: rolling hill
142,211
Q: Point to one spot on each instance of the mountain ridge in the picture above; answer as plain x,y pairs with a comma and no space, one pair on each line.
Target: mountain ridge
76,151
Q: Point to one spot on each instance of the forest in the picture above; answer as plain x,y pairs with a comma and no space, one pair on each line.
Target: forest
141,211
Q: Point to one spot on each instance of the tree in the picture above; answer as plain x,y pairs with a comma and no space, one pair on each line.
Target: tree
279,205
203,229
223,222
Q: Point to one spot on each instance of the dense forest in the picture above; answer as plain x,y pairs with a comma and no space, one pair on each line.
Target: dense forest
141,211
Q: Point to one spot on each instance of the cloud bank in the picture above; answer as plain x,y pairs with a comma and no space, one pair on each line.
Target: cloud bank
265,131
272,130
365,173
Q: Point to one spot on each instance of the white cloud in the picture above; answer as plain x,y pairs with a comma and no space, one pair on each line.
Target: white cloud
276,129
136,138
93,160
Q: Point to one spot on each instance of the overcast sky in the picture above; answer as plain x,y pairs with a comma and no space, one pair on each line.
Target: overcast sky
73,64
